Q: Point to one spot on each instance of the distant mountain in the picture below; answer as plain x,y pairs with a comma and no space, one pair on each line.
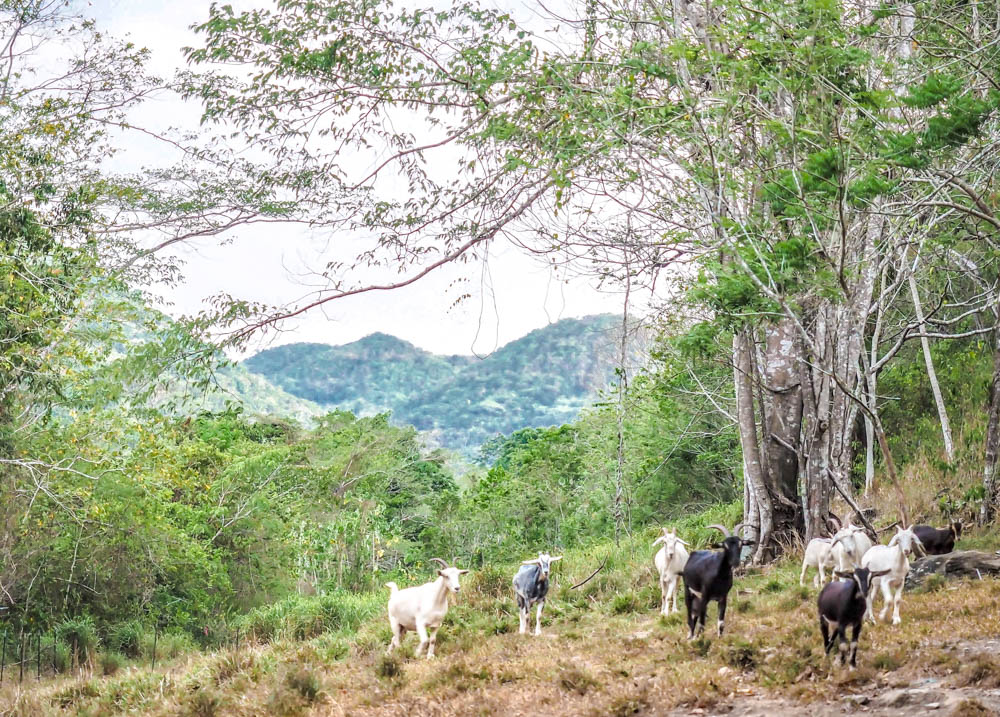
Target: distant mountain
376,373
542,379
256,394
144,326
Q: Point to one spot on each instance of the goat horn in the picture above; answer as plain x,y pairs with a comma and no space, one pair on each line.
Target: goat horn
724,529
439,560
736,528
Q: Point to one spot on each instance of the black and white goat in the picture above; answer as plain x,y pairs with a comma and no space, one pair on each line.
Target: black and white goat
531,585
708,575
938,541
842,604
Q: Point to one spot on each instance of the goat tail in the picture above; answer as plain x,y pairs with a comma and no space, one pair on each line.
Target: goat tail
393,588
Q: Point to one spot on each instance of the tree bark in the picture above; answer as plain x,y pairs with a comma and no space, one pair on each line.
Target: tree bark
758,510
987,511
782,429
949,446
871,383
960,563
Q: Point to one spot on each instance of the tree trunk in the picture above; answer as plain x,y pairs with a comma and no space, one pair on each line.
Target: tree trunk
871,381
990,488
957,564
758,510
949,446
782,429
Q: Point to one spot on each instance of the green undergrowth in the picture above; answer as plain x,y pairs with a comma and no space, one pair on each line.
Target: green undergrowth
300,651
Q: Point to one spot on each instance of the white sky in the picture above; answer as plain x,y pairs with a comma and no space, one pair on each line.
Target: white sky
517,295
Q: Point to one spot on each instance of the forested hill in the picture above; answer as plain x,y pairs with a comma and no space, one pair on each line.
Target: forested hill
541,379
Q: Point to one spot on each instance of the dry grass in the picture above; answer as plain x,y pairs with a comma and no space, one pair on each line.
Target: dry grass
596,657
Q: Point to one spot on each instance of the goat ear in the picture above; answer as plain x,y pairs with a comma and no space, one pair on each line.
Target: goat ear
879,573
530,562
552,560
659,540
840,574
715,546
749,542
462,572
441,573
682,542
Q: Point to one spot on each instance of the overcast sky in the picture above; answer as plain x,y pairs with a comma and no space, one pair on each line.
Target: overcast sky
512,296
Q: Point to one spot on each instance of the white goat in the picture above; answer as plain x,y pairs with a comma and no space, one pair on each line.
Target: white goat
861,539
891,557
817,556
422,608
845,553
670,561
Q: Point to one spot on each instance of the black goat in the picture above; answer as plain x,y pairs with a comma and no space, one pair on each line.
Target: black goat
842,604
938,541
708,575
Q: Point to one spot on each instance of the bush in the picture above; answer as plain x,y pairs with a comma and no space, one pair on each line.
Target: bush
302,618
491,581
111,662
304,682
576,679
389,666
126,638
61,659
79,633
203,702
626,603
168,645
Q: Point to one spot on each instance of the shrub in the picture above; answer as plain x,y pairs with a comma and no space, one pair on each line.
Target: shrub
79,633
111,662
61,659
304,682
981,672
202,702
389,666
740,654
576,679
490,581
934,582
774,585
301,618
626,603
168,645
126,638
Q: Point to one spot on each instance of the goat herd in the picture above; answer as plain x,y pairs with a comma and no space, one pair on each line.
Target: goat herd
858,563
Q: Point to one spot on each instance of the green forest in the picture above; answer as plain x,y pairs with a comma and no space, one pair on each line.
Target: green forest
804,191
542,379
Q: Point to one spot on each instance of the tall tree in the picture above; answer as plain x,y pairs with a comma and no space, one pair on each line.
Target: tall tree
769,146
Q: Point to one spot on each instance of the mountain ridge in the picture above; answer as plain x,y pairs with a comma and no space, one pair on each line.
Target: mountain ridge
543,378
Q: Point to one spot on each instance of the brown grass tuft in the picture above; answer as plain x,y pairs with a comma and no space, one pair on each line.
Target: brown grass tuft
971,708
983,671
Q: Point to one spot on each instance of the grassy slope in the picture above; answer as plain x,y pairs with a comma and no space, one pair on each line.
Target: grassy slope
605,651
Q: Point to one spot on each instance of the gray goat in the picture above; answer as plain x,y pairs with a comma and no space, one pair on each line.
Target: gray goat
531,585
